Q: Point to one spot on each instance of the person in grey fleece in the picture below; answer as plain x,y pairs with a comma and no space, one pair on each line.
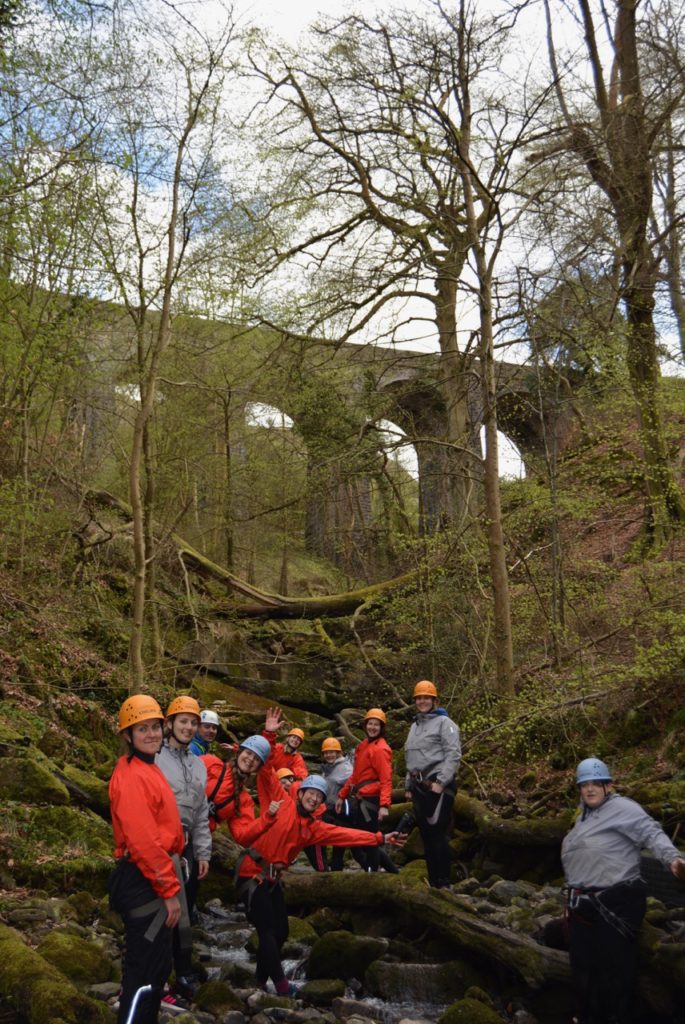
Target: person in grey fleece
432,755
187,776
606,897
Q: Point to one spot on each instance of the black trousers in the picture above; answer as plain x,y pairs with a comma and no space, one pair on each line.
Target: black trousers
267,912
433,812
366,818
145,961
603,948
183,958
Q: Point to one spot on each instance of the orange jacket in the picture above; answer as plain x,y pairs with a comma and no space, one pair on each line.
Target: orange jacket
280,759
372,761
146,822
238,813
292,830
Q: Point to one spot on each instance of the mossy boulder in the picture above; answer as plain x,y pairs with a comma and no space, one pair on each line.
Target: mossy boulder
217,997
469,1011
87,789
324,920
81,906
420,982
38,991
237,975
80,960
323,991
61,849
343,955
30,781
301,932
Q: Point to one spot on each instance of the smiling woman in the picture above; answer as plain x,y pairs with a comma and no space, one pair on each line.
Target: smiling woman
606,894
145,884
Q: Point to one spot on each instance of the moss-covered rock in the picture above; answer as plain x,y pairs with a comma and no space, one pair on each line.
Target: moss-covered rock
217,997
77,958
324,920
301,931
86,788
38,991
421,982
30,781
343,955
323,991
469,1011
81,906
237,975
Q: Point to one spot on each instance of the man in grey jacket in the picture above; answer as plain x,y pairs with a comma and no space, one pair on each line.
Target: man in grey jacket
187,776
432,754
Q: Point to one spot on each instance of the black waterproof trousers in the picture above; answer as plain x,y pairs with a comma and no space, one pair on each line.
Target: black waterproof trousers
267,912
146,961
183,957
603,928
366,818
433,812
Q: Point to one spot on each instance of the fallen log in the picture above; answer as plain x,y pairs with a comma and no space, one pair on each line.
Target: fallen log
444,911
266,605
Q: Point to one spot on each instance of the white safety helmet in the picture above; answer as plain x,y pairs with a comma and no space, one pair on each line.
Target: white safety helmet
210,718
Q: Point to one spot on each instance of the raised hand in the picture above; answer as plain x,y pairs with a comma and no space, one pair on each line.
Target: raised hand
273,720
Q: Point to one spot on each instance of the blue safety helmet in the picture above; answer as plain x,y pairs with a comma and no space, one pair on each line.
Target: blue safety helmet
592,770
259,745
315,782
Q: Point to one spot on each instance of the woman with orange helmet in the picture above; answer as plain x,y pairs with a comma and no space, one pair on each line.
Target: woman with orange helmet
432,753
285,754
187,776
336,769
370,782
146,882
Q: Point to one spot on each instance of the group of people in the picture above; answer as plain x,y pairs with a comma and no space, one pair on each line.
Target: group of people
169,792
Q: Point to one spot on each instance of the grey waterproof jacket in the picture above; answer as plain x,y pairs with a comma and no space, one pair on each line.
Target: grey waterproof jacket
336,775
603,847
187,776
433,748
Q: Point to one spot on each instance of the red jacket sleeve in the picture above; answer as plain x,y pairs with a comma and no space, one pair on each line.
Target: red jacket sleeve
243,826
335,835
383,761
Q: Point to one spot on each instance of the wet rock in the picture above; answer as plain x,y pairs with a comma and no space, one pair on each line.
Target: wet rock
237,975
233,1017
323,991
79,959
344,1009
421,983
469,1011
523,1017
343,955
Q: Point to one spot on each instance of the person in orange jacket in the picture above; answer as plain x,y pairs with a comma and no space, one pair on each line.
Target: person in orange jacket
285,755
260,867
146,884
370,783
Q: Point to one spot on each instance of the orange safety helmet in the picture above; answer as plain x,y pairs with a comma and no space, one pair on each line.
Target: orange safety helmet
183,706
295,732
285,773
376,713
138,709
425,689
331,743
